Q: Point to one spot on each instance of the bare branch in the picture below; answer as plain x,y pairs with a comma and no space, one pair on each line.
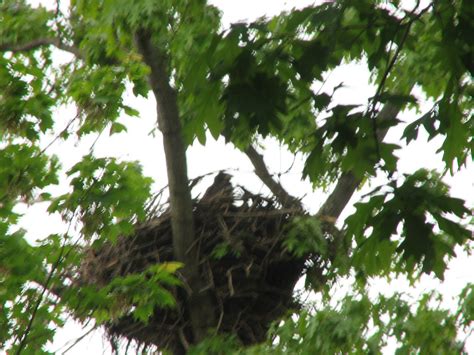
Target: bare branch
275,187
78,340
39,42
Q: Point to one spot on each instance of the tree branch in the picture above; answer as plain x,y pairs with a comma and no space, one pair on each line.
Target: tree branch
348,183
275,187
200,303
39,42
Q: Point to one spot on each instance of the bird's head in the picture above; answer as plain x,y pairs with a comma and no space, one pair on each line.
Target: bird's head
222,177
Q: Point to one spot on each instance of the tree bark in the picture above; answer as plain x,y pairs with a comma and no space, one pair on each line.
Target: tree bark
200,305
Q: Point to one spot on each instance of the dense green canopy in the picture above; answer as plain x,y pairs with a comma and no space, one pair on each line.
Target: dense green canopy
244,83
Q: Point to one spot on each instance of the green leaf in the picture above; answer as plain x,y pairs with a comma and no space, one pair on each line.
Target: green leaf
321,101
131,111
117,128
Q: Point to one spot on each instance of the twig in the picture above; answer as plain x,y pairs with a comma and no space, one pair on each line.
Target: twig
129,342
183,339
289,168
387,71
79,339
262,213
229,282
221,316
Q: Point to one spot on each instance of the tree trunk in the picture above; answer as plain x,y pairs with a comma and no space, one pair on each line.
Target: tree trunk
199,302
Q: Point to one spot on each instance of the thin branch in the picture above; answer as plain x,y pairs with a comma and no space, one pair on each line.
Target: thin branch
78,340
275,187
58,136
23,339
399,49
387,71
39,42
348,183
46,285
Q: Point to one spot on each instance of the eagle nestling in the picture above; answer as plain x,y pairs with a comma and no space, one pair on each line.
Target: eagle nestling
221,189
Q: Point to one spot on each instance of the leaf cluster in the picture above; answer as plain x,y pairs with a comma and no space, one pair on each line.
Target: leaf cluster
258,79
135,295
358,324
410,210
108,195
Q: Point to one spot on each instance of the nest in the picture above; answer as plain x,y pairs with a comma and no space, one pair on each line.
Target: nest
250,273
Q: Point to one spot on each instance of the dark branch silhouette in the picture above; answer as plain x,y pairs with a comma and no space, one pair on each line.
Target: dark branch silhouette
40,42
275,187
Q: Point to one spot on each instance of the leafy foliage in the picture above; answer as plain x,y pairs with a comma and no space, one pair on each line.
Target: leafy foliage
421,198
108,195
305,236
357,324
252,80
135,294
24,170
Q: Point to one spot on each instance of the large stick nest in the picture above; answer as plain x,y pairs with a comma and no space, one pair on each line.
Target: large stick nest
242,256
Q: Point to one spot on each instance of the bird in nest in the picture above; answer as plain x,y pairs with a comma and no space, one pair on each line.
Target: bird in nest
220,190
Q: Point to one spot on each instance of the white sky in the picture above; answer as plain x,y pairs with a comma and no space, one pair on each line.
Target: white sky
138,145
